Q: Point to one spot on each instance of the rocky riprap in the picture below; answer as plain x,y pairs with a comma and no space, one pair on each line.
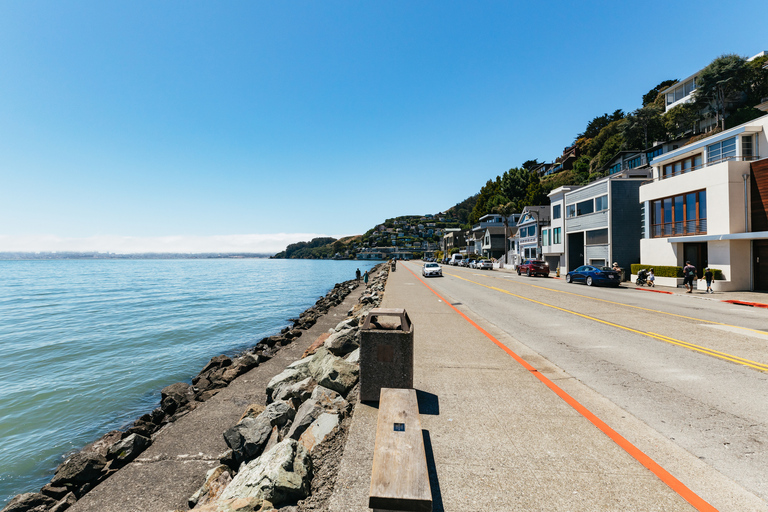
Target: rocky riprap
269,463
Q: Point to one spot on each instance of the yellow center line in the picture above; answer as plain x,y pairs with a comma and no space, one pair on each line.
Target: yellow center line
660,337
623,304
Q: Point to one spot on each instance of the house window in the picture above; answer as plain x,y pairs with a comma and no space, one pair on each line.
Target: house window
585,207
570,211
556,233
544,233
616,168
723,150
747,151
653,154
684,214
597,237
601,203
635,162
556,211
682,166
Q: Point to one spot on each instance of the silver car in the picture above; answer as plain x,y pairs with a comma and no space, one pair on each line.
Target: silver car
431,269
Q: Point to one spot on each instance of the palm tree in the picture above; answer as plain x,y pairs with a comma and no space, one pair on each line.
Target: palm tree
505,210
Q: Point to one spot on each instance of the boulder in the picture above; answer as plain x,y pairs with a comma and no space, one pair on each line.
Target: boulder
232,505
333,372
253,410
30,502
353,357
56,493
330,400
79,469
316,344
343,342
181,393
281,475
316,433
102,445
63,504
216,480
349,323
215,363
305,416
126,450
300,390
295,372
248,437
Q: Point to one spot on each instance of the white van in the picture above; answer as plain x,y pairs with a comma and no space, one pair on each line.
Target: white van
455,259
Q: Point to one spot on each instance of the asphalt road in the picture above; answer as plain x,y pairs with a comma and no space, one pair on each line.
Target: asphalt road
692,368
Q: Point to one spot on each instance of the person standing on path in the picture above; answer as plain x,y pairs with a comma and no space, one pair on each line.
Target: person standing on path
689,276
357,276
365,278
709,275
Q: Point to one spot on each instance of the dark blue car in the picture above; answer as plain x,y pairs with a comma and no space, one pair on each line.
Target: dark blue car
593,276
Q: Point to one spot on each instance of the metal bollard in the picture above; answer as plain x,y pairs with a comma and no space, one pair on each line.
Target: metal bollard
386,353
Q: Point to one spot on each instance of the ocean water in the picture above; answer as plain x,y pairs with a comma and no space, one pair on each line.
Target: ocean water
86,345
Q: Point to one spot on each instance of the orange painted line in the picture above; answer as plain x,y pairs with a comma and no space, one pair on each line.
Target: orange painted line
745,303
662,474
654,291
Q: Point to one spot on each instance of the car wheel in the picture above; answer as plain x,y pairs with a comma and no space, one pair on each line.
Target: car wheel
589,280
518,272
529,273
567,278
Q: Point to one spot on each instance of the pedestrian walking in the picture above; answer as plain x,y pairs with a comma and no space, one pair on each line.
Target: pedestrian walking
365,278
709,276
689,276
651,279
357,276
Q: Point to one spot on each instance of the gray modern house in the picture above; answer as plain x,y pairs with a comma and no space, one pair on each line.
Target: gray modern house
603,223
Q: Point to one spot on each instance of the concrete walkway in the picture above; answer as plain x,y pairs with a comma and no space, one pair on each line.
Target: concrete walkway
498,438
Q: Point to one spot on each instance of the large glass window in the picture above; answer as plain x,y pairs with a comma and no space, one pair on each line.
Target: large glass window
601,203
684,214
747,150
585,207
722,150
597,237
556,211
556,234
682,166
570,210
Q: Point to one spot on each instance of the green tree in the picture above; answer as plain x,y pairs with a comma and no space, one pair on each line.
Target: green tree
530,165
642,126
490,195
680,119
719,82
650,97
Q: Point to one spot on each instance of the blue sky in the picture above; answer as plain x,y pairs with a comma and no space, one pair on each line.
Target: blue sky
246,125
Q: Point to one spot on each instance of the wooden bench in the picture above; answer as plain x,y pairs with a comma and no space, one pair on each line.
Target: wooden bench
400,478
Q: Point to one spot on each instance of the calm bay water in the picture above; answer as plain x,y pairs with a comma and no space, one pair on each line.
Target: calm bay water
86,346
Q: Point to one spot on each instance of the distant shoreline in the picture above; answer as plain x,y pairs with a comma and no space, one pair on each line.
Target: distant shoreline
19,256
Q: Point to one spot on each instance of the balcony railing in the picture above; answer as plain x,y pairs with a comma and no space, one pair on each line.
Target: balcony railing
697,167
680,228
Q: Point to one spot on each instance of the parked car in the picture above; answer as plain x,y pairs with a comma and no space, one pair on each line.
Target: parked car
594,276
533,268
472,263
455,259
431,269
485,265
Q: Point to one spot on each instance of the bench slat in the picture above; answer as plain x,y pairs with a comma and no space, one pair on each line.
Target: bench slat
400,478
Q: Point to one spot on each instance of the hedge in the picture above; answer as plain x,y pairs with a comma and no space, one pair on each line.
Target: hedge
662,271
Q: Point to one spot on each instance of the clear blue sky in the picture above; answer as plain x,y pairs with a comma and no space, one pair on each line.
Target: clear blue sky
263,122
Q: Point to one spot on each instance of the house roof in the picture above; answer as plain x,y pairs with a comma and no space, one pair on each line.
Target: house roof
495,230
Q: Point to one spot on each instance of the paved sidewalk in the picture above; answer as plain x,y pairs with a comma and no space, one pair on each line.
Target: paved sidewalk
499,439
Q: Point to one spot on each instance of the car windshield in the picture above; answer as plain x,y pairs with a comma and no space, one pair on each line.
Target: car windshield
431,265
538,262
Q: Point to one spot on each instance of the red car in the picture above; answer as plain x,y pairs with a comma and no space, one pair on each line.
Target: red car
533,268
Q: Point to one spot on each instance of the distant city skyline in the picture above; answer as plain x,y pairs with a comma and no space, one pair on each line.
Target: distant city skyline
246,126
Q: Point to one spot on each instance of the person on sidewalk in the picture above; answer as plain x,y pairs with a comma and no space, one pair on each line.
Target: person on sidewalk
357,276
689,276
651,279
709,276
365,278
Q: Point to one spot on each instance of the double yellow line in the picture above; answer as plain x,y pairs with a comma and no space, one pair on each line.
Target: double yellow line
660,337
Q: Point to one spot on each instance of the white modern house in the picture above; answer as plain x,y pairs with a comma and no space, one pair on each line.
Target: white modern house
707,203
528,237
553,235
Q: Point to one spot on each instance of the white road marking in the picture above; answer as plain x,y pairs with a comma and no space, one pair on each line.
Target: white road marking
736,330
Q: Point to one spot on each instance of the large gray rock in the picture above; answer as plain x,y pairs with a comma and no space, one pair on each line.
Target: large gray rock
248,437
333,372
321,428
300,390
309,411
216,480
343,342
79,469
330,400
347,324
181,392
64,504
295,372
126,450
279,476
30,502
